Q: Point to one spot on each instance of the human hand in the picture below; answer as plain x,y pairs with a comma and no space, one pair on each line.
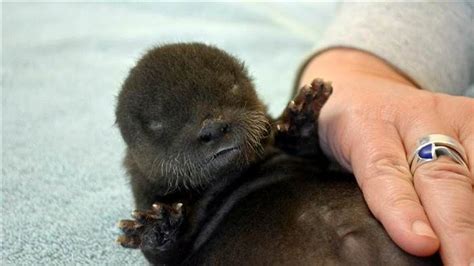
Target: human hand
371,125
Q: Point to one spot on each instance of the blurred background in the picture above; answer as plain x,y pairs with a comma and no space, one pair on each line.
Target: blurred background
63,186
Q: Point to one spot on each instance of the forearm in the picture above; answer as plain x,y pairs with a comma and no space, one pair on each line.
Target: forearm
345,64
429,42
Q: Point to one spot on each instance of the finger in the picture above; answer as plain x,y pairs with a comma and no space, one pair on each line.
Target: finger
379,162
146,217
445,187
466,137
465,126
129,241
129,227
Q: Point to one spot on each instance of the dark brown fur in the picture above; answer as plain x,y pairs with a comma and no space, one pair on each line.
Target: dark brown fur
254,205
182,86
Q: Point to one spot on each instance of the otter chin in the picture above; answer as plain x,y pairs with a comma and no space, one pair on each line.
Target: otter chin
217,181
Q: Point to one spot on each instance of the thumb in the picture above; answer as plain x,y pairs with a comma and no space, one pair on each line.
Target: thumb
377,157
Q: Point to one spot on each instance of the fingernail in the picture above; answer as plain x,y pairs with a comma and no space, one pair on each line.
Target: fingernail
472,262
422,229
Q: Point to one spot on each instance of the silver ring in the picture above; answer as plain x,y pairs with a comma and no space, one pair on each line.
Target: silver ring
435,145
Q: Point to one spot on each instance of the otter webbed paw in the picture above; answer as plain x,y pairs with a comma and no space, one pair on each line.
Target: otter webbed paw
155,231
297,127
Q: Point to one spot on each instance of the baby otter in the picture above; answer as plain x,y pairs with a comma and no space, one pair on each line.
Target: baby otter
219,182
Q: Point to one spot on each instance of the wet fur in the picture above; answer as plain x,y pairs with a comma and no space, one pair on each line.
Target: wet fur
261,207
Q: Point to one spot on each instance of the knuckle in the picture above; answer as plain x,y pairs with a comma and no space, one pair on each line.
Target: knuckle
388,186
394,202
443,171
397,202
458,224
383,164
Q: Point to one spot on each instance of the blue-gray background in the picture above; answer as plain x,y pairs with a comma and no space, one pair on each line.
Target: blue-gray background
63,187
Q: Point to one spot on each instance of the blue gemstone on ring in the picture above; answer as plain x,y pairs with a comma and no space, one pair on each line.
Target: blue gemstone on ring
425,152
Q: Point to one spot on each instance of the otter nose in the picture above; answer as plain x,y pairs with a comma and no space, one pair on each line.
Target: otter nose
213,130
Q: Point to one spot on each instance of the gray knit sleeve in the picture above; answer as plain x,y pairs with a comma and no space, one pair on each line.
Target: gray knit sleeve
431,43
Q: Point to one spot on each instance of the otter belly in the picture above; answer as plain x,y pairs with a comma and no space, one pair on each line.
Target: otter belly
308,217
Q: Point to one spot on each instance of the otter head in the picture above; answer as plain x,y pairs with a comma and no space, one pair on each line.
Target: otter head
189,115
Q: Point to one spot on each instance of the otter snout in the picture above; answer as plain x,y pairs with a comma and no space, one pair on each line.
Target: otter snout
213,130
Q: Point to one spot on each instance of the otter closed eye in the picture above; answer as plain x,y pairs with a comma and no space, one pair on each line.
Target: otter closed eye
235,89
155,125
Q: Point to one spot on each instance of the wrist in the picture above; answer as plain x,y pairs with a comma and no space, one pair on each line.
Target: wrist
343,65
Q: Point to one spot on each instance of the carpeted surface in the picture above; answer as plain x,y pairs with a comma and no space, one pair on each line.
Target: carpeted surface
63,187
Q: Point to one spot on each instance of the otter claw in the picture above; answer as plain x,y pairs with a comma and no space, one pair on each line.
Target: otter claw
306,90
282,127
156,207
292,106
177,206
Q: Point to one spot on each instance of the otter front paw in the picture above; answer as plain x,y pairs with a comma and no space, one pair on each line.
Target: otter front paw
153,231
297,127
